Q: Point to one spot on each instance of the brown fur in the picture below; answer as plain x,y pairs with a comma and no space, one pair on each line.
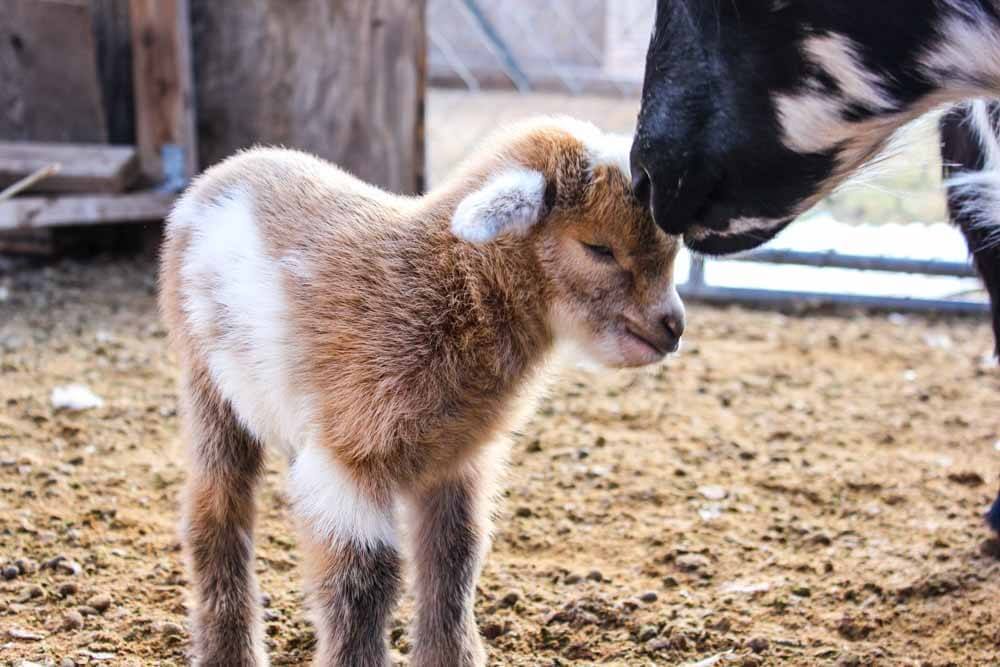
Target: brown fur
415,345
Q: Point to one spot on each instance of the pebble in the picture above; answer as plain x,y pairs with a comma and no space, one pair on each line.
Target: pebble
595,575
660,644
30,593
759,644
75,397
24,635
713,492
69,567
821,539
67,662
169,629
692,563
26,566
649,596
10,572
67,589
510,599
99,602
492,630
522,512
573,578
72,620
648,632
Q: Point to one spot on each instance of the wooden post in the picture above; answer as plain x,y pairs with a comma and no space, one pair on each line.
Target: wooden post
164,93
343,79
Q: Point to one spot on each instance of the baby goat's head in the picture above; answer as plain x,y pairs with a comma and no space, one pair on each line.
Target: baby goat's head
564,188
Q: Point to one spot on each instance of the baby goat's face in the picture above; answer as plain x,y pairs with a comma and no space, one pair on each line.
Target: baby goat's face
611,272
606,267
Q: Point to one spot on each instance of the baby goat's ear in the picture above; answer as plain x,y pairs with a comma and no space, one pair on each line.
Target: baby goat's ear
508,203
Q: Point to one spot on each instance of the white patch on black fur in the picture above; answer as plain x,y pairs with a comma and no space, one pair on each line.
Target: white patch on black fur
738,227
813,120
509,203
967,52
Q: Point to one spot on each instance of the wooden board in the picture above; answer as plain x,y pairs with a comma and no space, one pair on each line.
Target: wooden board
113,37
31,212
164,91
90,168
49,88
343,79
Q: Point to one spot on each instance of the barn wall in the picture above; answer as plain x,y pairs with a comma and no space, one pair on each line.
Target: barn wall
340,78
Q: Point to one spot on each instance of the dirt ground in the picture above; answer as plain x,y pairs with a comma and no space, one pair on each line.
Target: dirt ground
790,490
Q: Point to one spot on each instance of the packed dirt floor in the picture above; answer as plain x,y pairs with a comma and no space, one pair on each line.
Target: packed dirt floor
802,490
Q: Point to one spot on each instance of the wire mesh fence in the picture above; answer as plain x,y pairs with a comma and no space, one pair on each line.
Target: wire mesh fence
491,63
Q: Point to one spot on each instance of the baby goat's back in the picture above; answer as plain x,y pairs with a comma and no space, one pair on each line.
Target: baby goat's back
241,251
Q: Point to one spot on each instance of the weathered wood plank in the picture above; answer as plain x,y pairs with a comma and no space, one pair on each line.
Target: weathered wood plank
49,89
343,79
90,168
164,90
32,212
113,37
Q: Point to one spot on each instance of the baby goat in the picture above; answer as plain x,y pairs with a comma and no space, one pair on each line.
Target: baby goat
383,343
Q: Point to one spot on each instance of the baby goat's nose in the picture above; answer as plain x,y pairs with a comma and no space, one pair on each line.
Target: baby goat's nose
673,325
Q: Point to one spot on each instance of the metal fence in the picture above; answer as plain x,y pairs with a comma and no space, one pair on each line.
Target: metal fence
494,62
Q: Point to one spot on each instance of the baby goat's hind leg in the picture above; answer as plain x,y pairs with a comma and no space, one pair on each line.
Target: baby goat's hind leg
225,468
451,535
352,562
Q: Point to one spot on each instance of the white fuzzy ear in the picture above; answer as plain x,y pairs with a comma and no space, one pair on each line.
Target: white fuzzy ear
510,202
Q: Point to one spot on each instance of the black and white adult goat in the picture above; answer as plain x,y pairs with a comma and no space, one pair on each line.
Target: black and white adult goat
753,110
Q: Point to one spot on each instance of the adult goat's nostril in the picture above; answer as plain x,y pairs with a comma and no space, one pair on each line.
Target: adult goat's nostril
641,185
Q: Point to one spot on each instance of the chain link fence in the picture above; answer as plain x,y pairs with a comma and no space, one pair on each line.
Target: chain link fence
491,63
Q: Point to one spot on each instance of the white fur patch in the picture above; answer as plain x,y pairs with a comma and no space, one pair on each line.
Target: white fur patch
967,51
233,297
812,120
738,226
324,494
603,148
509,203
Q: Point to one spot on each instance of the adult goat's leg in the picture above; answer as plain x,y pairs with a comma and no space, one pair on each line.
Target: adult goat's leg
970,151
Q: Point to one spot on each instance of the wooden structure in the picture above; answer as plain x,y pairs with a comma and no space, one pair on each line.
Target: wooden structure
341,78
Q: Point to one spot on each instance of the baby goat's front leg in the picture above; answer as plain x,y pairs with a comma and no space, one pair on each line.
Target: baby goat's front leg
451,535
352,560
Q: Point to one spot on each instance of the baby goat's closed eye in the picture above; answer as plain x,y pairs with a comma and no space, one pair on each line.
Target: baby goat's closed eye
383,344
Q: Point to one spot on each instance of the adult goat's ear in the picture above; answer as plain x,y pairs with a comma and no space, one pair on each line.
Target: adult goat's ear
508,203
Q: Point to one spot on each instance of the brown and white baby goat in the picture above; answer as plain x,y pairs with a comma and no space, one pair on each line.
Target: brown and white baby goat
383,343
